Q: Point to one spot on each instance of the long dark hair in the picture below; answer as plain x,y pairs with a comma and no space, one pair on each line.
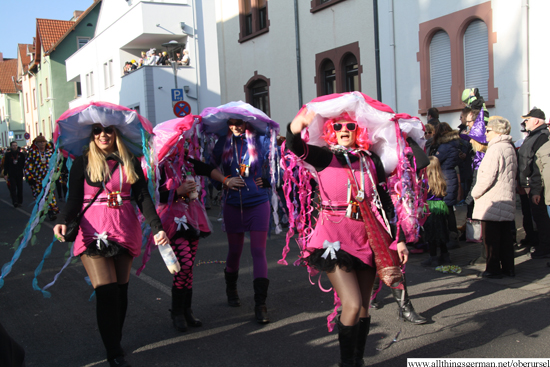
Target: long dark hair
441,129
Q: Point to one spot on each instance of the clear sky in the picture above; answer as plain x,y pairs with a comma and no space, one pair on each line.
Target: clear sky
18,24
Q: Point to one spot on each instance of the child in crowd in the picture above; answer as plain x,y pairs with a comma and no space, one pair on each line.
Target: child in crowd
436,231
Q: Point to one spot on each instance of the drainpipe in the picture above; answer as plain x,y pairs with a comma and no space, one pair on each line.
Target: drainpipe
394,58
196,57
298,59
37,108
377,51
525,57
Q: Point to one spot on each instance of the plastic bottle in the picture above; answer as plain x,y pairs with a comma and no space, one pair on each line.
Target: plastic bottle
169,258
193,194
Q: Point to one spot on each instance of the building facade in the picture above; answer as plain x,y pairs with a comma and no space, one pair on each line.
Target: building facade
126,29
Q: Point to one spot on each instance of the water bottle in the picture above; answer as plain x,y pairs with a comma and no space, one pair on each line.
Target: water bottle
193,194
169,258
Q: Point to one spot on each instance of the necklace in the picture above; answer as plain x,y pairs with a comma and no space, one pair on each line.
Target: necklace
114,199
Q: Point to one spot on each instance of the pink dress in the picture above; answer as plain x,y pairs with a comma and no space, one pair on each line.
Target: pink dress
194,213
332,224
120,224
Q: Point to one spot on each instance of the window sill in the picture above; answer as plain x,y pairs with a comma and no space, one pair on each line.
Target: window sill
454,108
253,35
316,8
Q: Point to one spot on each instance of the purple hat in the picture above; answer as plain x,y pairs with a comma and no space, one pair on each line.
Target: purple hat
477,132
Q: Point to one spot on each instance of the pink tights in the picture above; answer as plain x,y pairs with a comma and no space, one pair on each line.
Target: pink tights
257,249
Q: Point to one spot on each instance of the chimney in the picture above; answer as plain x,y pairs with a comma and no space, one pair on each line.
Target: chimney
1,57
76,14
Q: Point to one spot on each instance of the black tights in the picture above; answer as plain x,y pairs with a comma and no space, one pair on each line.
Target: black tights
354,289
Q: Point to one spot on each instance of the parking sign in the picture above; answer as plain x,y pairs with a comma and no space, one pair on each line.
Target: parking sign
177,95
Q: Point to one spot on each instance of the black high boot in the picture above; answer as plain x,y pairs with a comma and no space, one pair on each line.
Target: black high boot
122,304
347,338
405,306
231,288
364,328
108,322
177,312
260,295
187,311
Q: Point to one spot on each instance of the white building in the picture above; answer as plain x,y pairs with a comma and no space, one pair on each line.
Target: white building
278,55
124,30
431,50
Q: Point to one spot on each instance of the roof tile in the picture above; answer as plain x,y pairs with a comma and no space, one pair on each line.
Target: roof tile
51,30
8,68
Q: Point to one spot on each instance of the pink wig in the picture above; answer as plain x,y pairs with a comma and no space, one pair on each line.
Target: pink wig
361,134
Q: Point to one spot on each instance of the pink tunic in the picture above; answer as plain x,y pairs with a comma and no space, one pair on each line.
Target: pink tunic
121,224
194,213
332,224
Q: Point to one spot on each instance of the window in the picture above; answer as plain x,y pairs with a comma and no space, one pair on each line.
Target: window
78,89
253,19
106,75
338,70
47,89
50,124
41,95
329,77
90,84
18,137
469,54
27,101
476,57
440,69
81,41
317,5
34,98
351,73
111,72
257,92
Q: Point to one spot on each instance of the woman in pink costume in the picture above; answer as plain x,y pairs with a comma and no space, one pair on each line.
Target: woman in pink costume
110,235
348,173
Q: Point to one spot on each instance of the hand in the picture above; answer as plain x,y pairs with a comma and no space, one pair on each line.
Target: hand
186,187
535,199
301,121
161,239
234,183
59,231
403,252
259,182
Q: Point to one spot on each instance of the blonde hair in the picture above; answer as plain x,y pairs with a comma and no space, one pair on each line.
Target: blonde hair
478,147
98,169
429,128
499,124
436,180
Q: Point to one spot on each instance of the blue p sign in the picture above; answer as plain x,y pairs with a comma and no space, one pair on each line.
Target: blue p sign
177,95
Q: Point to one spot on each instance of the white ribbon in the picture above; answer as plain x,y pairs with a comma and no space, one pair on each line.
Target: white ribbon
181,221
331,248
101,237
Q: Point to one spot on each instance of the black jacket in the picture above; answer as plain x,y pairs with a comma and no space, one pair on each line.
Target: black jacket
14,163
528,171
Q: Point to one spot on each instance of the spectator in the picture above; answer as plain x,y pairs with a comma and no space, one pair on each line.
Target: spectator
429,135
495,197
446,148
163,59
463,127
143,59
14,164
185,58
472,99
478,142
530,178
153,57
433,116
127,67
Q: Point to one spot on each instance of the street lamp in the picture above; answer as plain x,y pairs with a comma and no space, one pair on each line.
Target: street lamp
172,48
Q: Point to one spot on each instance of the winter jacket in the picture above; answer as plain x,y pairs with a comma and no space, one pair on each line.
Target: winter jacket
543,164
529,174
14,163
446,149
495,189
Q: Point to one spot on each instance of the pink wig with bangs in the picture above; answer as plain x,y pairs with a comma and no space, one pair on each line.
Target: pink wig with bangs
361,134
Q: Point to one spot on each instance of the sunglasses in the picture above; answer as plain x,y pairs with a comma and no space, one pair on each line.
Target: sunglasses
350,126
99,129
235,122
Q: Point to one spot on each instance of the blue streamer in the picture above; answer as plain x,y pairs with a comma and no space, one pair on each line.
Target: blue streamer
6,268
38,270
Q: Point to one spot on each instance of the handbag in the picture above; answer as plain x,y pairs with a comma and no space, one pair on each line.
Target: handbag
473,231
74,225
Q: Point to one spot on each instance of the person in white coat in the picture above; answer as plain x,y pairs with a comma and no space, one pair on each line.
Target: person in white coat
495,198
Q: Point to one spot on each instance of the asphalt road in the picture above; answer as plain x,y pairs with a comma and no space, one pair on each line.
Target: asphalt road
469,317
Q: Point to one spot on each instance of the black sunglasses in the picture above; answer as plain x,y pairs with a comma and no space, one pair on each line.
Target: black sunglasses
350,126
98,129
235,122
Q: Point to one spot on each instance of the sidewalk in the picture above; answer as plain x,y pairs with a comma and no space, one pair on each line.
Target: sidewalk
531,275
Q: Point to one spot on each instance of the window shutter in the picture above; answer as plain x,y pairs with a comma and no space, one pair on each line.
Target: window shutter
476,57
440,69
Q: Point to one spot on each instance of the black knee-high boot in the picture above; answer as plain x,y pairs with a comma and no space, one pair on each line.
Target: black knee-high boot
122,304
231,288
405,306
187,311
364,328
108,319
347,338
177,312
260,294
